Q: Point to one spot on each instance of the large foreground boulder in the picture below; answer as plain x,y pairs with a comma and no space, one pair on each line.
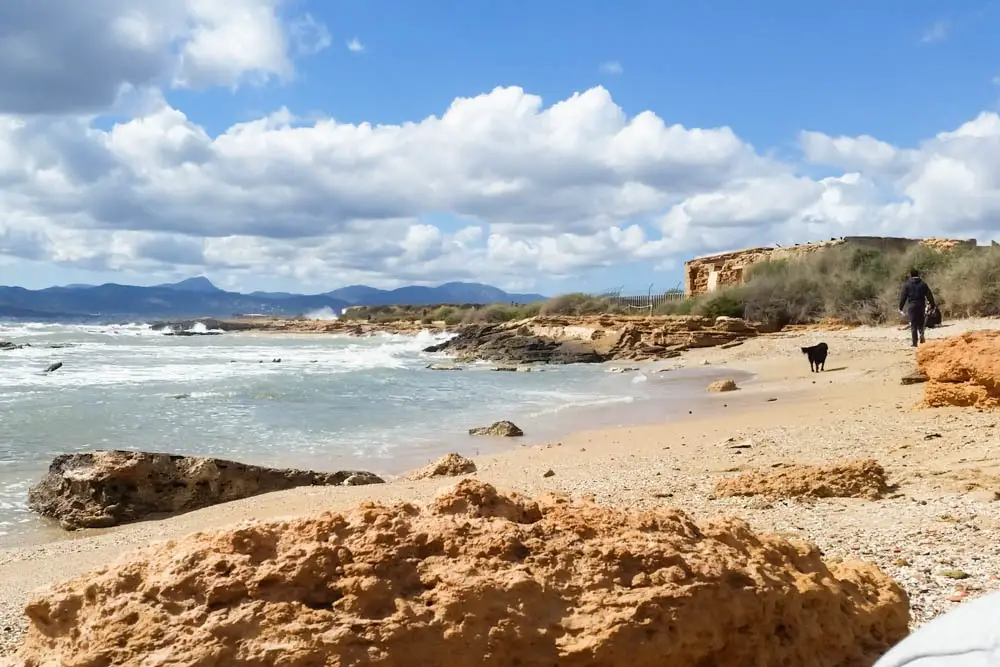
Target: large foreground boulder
962,371
476,578
107,488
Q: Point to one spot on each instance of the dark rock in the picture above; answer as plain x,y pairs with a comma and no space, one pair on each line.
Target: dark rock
913,378
53,367
192,333
107,488
6,345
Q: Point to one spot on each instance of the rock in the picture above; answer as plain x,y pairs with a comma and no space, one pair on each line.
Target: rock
107,488
723,386
549,473
449,465
508,369
6,345
503,429
475,578
443,367
591,339
913,378
962,371
623,369
192,333
53,367
853,479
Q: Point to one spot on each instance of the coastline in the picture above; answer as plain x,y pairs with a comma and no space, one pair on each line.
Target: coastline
854,410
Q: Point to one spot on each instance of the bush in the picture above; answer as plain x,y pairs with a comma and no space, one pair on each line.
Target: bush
575,304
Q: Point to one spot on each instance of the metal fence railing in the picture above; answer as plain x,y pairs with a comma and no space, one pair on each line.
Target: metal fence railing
649,301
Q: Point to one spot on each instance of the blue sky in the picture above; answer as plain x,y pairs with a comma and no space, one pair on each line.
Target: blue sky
900,72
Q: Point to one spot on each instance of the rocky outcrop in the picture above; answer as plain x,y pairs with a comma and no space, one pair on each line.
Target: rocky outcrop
107,488
853,479
477,578
502,429
449,465
7,345
721,386
962,371
595,339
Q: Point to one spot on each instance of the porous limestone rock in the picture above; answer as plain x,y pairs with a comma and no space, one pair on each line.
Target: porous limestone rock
592,339
723,386
962,371
107,488
475,579
449,465
503,429
851,479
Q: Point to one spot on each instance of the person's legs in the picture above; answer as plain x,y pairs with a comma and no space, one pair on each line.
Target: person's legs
916,315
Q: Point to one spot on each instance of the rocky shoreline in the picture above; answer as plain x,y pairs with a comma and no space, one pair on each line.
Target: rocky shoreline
568,340
542,339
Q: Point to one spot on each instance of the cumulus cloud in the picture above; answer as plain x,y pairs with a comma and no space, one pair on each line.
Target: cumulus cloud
76,57
500,187
355,46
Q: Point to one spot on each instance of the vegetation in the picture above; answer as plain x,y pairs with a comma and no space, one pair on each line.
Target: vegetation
860,285
850,283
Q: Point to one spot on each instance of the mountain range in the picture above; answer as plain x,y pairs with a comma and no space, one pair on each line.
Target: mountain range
199,297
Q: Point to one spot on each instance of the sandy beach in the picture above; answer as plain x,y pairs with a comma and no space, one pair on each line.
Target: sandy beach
940,518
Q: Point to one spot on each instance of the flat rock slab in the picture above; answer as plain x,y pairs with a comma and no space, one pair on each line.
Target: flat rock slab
107,488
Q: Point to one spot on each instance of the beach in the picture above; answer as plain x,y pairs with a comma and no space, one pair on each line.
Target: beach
941,518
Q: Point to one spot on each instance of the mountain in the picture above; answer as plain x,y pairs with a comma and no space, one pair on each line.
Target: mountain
200,284
362,295
198,297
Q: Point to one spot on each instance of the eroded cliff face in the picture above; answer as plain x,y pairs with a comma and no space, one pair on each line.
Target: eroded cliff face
593,339
475,578
962,370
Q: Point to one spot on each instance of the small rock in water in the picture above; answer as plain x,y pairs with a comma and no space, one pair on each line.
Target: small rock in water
723,385
180,396
53,367
503,429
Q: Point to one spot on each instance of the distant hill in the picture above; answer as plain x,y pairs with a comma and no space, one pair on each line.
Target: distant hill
362,295
198,297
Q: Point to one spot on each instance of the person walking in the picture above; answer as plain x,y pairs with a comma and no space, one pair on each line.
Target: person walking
913,302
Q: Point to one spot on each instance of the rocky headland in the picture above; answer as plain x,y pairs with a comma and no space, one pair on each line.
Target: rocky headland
475,577
593,339
107,488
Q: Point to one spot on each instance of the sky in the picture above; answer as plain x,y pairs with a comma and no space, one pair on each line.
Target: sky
304,145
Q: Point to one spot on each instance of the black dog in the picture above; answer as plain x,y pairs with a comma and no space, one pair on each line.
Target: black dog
817,357
933,318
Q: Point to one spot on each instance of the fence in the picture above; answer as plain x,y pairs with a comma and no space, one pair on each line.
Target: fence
643,301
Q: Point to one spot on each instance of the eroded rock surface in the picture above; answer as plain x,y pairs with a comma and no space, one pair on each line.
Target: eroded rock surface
503,429
449,465
851,479
475,579
592,339
962,371
107,488
721,386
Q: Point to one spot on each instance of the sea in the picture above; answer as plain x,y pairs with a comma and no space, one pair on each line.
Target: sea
315,401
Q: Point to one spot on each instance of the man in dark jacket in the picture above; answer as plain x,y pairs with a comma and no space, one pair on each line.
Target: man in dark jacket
913,304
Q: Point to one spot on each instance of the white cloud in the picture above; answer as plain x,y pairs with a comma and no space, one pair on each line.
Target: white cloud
76,57
938,32
528,189
355,46
612,67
